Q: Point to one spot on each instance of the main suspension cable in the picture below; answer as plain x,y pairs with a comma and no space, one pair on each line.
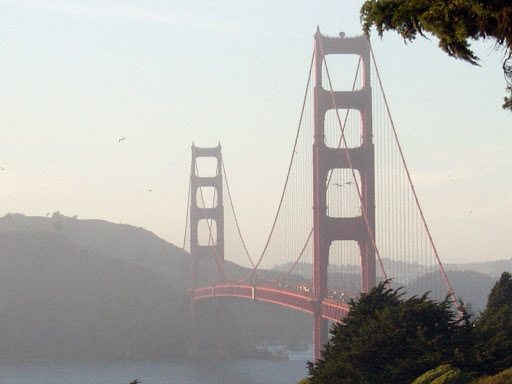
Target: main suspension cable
413,190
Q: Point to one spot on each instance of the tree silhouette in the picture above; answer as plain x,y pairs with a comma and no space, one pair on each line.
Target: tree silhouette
388,339
494,328
453,22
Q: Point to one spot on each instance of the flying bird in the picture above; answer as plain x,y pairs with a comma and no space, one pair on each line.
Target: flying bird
2,168
136,381
149,190
121,139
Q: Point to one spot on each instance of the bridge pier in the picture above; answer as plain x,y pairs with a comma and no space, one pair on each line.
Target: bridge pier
320,330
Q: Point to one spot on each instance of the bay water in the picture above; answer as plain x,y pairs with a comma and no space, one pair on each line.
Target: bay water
244,371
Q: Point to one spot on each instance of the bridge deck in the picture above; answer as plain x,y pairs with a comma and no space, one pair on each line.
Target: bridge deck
331,309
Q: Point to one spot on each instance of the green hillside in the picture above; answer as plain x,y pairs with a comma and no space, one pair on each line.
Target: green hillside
60,301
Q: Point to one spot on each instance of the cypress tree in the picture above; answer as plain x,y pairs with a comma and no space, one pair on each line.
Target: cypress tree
386,338
494,328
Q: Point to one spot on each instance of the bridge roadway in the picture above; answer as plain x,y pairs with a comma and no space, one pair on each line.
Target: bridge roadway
330,309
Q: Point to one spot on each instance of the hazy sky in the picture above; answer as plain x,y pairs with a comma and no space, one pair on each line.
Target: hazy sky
76,76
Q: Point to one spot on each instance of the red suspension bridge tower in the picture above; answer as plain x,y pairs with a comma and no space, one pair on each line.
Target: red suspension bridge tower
325,159
214,248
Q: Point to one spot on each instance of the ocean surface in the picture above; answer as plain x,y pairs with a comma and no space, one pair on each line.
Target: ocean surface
175,372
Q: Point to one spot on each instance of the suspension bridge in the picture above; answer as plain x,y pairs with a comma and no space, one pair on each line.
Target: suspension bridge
348,216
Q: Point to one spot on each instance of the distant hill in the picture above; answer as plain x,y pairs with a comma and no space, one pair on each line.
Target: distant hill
471,282
106,270
60,301
471,287
121,241
491,268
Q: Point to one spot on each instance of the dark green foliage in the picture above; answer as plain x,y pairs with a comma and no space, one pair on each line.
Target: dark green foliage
388,339
500,295
453,22
494,328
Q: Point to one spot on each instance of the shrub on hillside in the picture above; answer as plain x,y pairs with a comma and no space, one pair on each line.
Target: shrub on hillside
433,374
453,376
444,374
504,377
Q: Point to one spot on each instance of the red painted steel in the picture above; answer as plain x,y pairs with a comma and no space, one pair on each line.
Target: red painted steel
330,309
197,213
328,229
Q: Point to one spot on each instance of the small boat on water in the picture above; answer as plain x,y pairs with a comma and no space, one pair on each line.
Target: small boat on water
297,347
272,353
279,354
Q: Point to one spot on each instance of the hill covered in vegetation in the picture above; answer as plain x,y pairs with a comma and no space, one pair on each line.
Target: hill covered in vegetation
90,289
60,301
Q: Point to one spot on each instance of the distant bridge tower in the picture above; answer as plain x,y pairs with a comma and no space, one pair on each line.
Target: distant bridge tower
326,228
214,247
